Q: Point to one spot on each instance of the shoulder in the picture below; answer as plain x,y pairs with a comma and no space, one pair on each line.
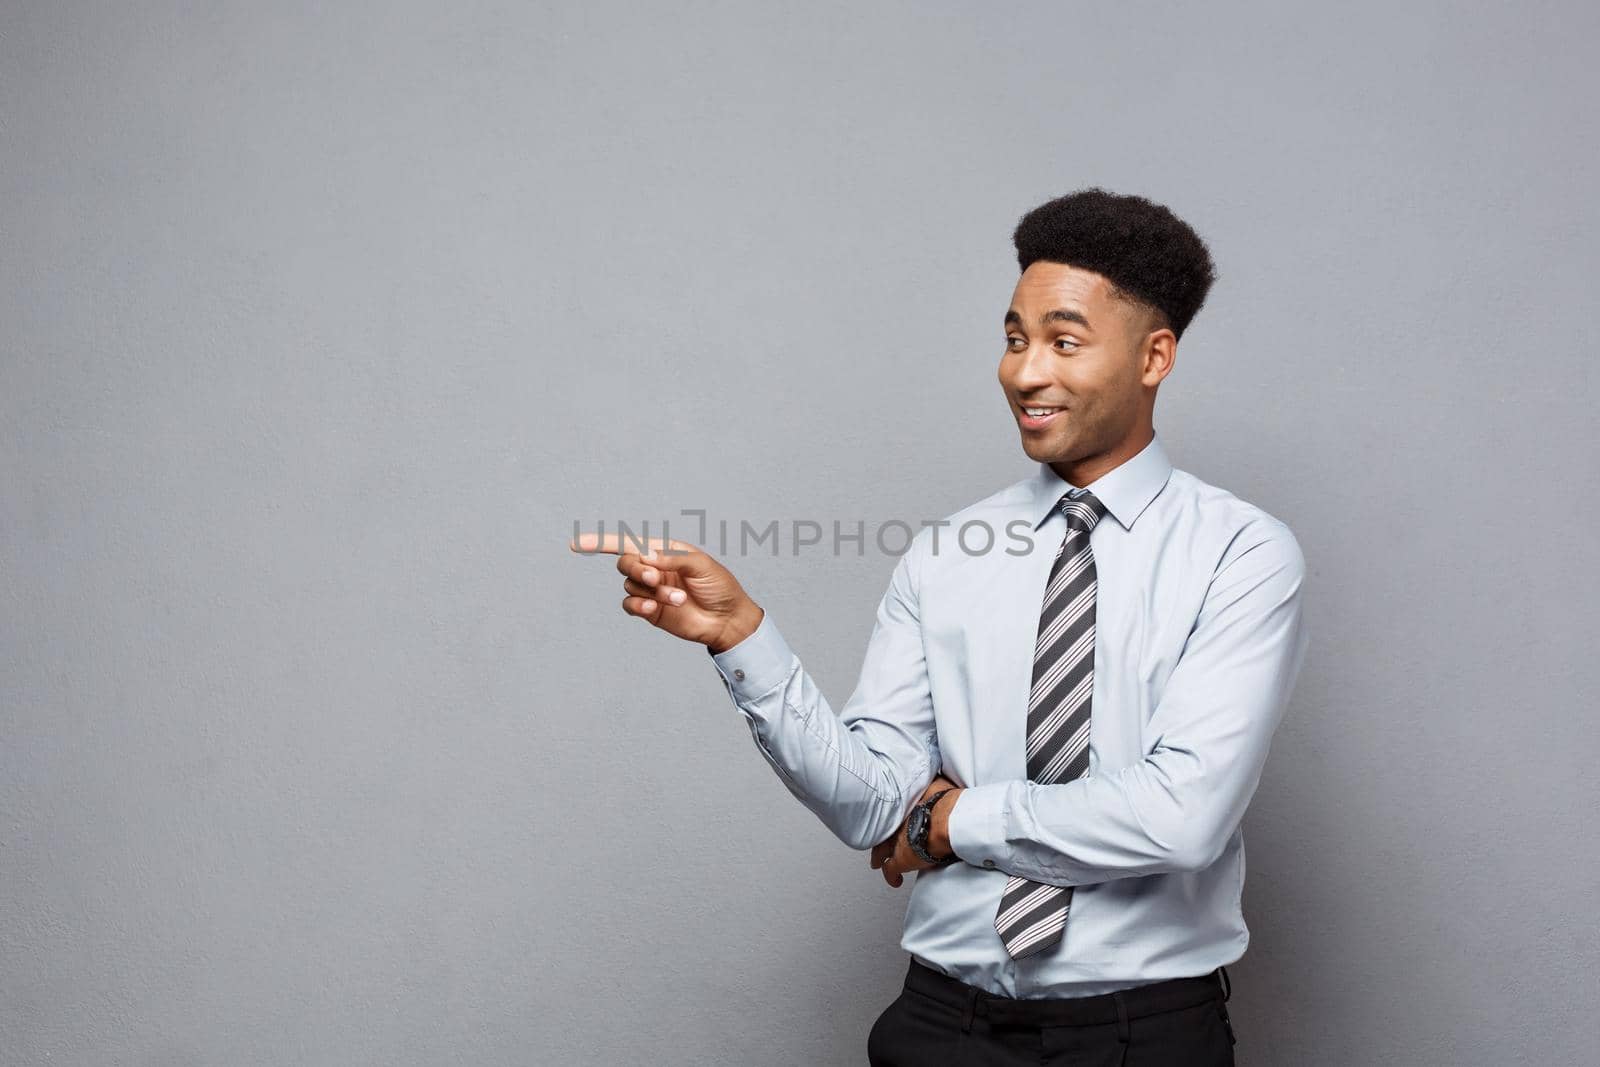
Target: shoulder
999,507
1227,528
939,537
965,535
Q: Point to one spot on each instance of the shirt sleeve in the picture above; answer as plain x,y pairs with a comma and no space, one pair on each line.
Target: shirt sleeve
859,771
1177,808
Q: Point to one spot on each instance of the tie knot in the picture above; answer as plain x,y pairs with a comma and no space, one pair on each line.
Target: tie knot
1082,511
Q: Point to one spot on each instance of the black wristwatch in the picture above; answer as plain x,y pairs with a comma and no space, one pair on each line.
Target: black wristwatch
919,824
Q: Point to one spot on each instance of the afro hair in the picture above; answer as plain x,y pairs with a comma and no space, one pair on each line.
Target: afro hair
1148,254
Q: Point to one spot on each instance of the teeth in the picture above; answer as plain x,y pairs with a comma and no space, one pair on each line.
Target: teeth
1036,412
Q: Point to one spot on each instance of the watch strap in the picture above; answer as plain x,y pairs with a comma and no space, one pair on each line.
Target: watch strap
919,844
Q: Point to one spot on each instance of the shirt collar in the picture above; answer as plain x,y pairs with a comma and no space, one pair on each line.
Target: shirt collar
1125,490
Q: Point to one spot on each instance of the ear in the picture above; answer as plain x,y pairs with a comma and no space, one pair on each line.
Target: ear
1157,354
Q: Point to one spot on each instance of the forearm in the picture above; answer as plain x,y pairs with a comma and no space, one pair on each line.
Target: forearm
858,774
1153,817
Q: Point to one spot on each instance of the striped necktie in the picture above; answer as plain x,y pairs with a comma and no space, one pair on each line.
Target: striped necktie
1032,915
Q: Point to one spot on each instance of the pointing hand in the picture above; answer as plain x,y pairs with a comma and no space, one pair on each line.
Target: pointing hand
678,588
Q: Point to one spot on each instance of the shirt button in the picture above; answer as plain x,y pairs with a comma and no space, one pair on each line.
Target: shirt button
739,675
989,864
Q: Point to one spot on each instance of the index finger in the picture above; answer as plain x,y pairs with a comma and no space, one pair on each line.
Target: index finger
616,544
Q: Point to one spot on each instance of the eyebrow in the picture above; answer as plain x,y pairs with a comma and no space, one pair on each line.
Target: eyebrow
1053,315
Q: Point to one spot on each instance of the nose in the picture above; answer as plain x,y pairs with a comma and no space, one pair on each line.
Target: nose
1030,369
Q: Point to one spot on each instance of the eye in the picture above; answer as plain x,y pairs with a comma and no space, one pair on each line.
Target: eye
1069,341
1013,342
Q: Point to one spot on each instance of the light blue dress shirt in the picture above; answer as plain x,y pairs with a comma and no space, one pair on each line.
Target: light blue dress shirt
1198,642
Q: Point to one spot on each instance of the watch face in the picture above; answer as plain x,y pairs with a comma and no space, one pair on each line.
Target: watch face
919,820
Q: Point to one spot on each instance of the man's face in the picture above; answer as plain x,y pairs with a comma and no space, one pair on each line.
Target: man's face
1072,347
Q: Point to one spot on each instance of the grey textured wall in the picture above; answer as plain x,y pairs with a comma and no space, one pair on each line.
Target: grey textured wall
319,328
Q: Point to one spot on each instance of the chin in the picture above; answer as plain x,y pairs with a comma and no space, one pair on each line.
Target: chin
1042,451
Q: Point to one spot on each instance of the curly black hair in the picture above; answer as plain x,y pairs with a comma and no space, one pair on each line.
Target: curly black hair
1147,254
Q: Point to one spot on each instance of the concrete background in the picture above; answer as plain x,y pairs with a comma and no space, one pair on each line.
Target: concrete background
320,325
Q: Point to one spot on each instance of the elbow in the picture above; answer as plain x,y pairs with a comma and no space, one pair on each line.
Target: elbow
857,841
1187,817
864,836
1197,846
874,822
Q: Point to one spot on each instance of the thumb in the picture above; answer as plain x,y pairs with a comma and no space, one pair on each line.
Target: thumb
679,558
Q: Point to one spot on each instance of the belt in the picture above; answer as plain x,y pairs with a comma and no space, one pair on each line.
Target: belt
1118,1007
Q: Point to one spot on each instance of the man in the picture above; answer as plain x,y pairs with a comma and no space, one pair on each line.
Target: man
1059,733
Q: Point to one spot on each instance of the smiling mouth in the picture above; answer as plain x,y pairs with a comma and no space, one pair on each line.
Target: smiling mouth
1035,418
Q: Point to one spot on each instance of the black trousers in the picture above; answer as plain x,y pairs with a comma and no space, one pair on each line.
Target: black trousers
939,1020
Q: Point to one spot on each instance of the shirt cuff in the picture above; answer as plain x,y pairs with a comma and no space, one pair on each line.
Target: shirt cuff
756,664
976,824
